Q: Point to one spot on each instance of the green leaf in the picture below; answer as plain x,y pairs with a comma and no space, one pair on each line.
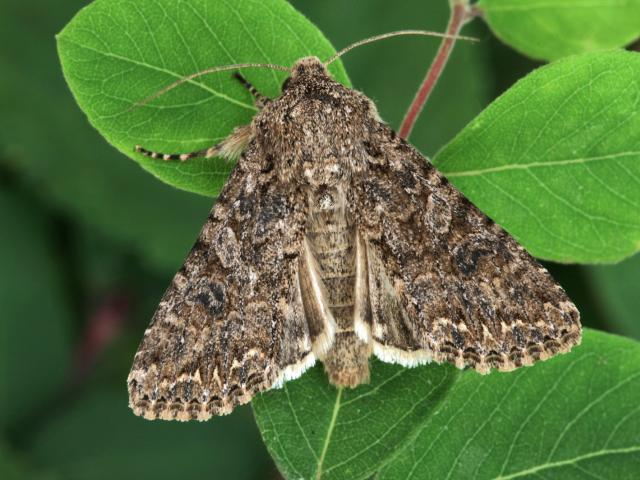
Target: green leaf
556,159
616,289
35,317
572,417
116,53
97,437
572,414
548,30
314,430
47,141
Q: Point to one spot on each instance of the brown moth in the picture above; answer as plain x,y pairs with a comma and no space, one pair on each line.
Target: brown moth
335,240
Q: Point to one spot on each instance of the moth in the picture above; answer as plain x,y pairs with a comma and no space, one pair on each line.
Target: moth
334,240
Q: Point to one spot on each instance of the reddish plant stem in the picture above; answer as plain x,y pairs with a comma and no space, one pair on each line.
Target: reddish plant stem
456,22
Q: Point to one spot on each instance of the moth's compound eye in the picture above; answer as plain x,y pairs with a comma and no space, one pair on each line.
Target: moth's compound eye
286,83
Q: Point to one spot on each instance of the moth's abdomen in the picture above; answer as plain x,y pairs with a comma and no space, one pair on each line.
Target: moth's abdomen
332,239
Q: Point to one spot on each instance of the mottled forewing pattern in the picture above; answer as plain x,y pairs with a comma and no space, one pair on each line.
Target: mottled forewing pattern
232,323
446,283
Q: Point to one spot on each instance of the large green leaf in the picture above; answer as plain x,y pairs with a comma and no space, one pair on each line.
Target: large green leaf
314,430
35,317
115,53
573,417
556,159
549,30
97,437
570,416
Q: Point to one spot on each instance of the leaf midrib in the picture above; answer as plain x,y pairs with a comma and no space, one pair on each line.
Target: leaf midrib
327,440
63,38
391,427
551,163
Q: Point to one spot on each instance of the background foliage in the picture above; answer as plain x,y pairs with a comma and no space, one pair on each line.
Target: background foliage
91,240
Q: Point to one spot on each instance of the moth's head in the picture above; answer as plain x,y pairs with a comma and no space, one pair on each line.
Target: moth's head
309,67
306,70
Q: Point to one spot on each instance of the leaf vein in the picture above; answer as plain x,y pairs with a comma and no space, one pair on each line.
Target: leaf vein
555,385
586,409
297,420
570,461
163,70
327,440
496,409
550,163
538,220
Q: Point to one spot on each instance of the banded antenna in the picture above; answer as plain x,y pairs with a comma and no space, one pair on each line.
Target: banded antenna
223,68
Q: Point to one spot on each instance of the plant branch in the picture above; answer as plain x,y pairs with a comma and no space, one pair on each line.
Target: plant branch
459,16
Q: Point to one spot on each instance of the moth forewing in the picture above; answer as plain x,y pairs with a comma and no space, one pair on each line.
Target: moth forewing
232,322
468,293
334,239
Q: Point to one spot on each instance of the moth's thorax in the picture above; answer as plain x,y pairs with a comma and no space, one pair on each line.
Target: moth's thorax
314,131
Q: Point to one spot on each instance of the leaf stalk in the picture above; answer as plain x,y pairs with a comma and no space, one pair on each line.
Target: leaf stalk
460,15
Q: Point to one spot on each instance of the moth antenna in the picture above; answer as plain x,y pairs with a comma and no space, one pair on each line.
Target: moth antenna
207,71
395,34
